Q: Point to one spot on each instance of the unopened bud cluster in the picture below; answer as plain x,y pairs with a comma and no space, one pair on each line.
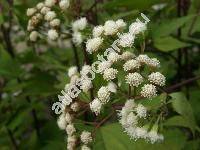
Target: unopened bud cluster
43,17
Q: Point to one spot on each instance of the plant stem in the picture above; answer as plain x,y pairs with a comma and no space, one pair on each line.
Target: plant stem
14,143
76,58
178,85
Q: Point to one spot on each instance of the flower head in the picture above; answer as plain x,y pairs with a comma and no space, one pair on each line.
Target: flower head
113,57
104,94
52,34
98,31
72,71
64,4
110,74
134,79
79,24
127,55
141,111
157,78
103,66
137,27
110,27
94,44
149,91
62,122
86,137
121,24
126,40
70,129
131,65
95,106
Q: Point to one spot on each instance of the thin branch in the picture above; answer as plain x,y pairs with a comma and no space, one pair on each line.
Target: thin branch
176,86
14,143
76,55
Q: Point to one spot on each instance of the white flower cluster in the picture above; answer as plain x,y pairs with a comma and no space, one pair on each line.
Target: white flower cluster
131,117
135,79
43,14
78,26
86,137
151,62
65,123
103,97
109,28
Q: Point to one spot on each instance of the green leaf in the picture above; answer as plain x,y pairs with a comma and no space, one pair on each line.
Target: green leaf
9,68
180,121
112,137
133,4
169,44
183,107
169,26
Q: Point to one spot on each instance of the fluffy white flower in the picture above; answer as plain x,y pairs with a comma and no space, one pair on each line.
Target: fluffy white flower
126,40
131,65
45,10
71,141
74,79
75,107
77,38
121,24
52,34
55,23
98,31
141,111
50,15
130,104
39,16
132,120
85,147
49,3
33,36
86,84
127,55
134,79
65,99
64,4
149,91
112,87
68,118
157,78
72,71
154,62
70,129
94,44
31,11
143,59
110,27
113,57
85,70
103,66
86,137
103,94
79,24
95,106
62,122
141,133
137,27
39,6
110,74
153,137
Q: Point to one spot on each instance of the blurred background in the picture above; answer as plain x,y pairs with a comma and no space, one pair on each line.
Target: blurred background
33,74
